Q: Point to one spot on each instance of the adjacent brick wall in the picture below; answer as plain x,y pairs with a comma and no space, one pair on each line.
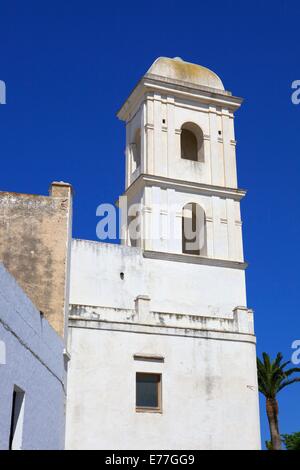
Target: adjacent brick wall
35,237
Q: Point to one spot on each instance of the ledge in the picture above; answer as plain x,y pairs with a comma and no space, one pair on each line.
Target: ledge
187,186
163,330
148,358
193,259
239,321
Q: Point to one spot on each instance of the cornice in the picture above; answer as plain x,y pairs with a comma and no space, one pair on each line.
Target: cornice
136,328
185,186
195,259
177,88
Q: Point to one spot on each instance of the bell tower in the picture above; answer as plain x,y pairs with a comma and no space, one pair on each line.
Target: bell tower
181,163
167,308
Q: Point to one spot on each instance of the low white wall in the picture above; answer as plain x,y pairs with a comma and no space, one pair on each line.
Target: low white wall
174,287
33,361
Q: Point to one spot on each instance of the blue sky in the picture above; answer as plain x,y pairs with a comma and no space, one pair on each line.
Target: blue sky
68,67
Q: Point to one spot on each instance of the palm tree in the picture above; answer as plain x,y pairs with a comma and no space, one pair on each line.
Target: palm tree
272,378
291,441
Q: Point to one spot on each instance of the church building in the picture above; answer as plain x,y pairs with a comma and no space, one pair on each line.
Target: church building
150,343
160,336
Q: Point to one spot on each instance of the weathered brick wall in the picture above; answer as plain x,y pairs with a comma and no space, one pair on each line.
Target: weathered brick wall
35,236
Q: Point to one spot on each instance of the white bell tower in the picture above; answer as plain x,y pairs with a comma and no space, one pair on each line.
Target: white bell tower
169,306
181,162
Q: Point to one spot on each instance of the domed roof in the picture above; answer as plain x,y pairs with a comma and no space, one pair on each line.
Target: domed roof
178,69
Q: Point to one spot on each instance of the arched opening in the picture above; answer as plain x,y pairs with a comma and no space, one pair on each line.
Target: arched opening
193,230
136,150
192,142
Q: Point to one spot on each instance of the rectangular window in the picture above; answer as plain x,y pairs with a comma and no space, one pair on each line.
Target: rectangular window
148,392
17,418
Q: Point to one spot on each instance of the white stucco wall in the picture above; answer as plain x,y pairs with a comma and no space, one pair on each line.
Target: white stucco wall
209,390
209,373
175,287
34,363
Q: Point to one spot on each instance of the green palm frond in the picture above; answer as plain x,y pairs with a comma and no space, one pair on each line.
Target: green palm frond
288,382
267,362
273,375
277,361
285,364
291,371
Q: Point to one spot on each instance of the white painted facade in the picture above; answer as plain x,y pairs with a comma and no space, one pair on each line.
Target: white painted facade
152,299
208,383
31,362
